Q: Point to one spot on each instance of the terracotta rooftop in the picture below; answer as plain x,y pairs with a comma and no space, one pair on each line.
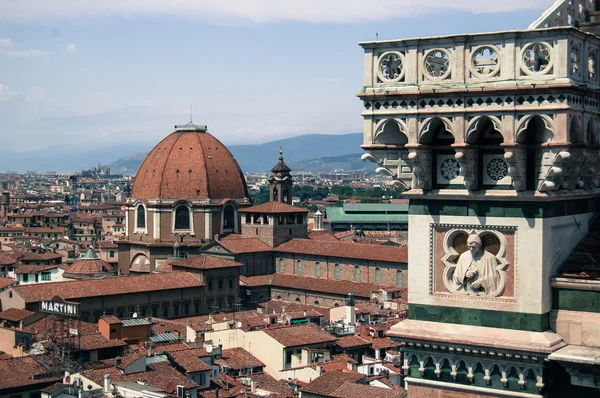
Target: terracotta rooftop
190,360
6,282
107,286
238,358
237,244
90,265
322,236
266,382
111,319
189,165
353,390
6,260
302,335
274,207
351,341
15,314
330,381
205,261
41,256
361,290
33,269
95,341
158,375
584,261
18,372
345,250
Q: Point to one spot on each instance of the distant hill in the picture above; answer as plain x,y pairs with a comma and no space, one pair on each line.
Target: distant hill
335,163
302,151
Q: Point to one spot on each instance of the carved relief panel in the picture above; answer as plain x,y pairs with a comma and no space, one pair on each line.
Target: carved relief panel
470,261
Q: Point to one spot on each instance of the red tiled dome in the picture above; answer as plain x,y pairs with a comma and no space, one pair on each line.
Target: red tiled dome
189,164
90,267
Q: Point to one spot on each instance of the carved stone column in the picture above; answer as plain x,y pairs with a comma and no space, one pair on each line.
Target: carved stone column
421,160
468,159
517,166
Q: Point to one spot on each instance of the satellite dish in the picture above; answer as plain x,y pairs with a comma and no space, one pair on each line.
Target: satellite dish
209,348
238,324
134,315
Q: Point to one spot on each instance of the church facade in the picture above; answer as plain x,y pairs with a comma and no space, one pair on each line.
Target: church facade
496,138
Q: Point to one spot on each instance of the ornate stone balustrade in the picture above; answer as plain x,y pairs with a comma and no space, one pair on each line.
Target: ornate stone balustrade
479,61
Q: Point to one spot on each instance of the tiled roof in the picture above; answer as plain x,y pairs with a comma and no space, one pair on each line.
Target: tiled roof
351,341
189,165
41,256
6,260
238,358
204,261
15,314
327,383
18,372
323,236
362,290
107,286
158,375
111,319
131,359
33,269
236,244
353,390
345,250
584,261
6,282
89,266
264,381
301,335
190,360
274,207
95,341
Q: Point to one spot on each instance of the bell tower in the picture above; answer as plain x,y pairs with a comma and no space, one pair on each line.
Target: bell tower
281,182
495,138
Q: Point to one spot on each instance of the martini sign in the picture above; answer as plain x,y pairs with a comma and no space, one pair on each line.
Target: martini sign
58,306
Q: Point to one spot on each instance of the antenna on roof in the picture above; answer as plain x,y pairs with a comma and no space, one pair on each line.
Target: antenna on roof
191,113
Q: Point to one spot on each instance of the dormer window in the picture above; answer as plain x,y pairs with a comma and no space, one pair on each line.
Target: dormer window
182,218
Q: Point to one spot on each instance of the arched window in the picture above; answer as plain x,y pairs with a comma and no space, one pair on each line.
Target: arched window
357,274
378,275
318,269
317,302
399,278
337,272
299,268
182,218
140,217
229,217
281,266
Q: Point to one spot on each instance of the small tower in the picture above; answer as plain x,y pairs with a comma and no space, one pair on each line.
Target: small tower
281,182
318,221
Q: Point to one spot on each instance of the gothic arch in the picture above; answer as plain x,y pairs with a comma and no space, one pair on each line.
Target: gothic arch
481,128
391,132
575,135
535,129
591,131
433,129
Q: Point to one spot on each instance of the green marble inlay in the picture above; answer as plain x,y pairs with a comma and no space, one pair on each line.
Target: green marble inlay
576,300
535,209
475,317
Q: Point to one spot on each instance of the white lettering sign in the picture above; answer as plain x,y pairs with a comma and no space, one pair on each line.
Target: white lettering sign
53,307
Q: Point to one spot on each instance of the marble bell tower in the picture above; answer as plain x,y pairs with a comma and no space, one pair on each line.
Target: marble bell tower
496,139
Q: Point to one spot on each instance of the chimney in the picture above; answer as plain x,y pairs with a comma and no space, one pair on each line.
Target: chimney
252,386
107,384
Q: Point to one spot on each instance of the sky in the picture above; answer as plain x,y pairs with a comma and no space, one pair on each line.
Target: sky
103,73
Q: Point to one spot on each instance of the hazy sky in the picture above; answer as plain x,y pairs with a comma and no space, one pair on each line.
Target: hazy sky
97,73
